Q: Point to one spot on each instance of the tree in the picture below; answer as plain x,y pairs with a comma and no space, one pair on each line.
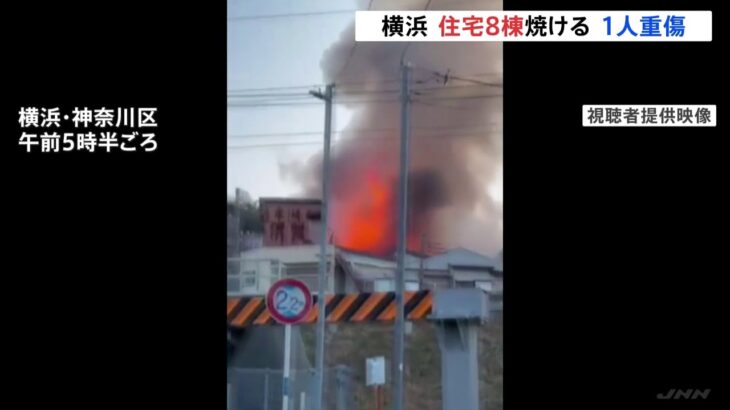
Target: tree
249,216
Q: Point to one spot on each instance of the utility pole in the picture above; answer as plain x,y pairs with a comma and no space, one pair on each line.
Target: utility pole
405,131
322,274
421,258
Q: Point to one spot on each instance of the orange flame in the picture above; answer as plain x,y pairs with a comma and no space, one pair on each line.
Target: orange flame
363,221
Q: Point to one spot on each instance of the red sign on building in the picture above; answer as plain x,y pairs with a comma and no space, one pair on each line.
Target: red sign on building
290,222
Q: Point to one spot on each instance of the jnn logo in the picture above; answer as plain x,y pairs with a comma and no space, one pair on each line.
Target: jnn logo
692,394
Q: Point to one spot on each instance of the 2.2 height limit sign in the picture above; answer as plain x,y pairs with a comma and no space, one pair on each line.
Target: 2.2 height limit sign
288,301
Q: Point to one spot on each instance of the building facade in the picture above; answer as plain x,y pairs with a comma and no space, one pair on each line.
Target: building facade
290,222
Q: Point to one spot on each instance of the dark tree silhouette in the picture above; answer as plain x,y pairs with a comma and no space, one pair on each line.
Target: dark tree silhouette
249,216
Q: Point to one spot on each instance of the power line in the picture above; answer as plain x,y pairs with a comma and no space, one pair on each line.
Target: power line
455,130
274,16
295,104
290,90
354,96
448,106
345,83
352,49
468,97
286,87
417,91
314,13
471,80
298,96
408,44
311,86
273,99
448,76
292,95
443,137
347,102
286,144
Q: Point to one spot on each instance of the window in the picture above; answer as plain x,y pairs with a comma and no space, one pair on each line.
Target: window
249,278
484,285
412,286
388,285
383,285
234,267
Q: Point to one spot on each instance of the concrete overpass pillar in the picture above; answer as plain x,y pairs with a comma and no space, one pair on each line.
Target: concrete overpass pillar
458,313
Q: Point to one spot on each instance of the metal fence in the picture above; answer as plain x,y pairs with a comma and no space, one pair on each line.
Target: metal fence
249,277
252,276
262,389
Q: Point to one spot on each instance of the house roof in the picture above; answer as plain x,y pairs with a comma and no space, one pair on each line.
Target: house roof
459,257
366,260
286,254
413,261
369,267
454,258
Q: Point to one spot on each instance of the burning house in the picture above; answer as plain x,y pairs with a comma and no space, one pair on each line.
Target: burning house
455,165
455,151
353,271
455,268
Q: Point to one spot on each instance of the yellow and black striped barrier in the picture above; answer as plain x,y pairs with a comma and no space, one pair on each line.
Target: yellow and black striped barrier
340,308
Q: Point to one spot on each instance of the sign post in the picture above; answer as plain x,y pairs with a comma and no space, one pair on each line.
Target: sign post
288,302
375,376
287,366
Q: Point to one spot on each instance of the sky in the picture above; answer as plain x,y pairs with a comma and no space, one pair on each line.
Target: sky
277,52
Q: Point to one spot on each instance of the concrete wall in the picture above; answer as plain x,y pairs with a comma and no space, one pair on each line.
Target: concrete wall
262,347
